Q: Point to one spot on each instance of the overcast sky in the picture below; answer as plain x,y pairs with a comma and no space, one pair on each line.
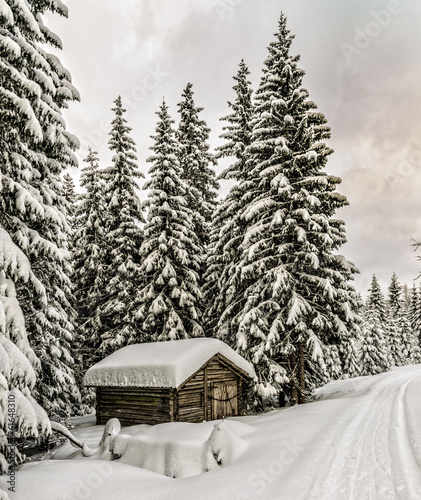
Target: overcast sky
363,65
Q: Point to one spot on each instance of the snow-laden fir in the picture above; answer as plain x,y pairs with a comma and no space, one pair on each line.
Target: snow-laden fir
35,149
196,163
224,231
287,293
167,305
123,236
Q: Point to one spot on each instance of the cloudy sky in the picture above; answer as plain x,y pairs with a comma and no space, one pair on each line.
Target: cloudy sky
363,65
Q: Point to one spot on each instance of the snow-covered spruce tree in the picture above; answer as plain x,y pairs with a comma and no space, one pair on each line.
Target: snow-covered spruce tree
375,354
406,295
35,151
403,342
18,362
333,362
398,356
293,289
89,265
237,132
167,307
195,162
225,228
123,238
351,357
415,312
71,197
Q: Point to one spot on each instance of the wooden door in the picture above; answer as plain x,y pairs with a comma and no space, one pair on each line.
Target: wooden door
224,397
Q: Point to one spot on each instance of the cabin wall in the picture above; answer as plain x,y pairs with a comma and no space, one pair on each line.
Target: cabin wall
190,400
134,405
191,397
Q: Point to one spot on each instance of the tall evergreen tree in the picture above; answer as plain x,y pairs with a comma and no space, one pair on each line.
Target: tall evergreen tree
71,197
406,295
350,357
124,235
225,233
237,132
375,356
35,149
291,287
415,312
89,256
195,161
403,341
333,362
18,362
168,304
394,323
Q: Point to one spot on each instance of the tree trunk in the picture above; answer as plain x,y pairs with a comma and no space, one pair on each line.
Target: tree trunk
301,375
294,388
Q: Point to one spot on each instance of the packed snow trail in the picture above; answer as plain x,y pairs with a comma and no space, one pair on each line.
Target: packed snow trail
361,441
371,454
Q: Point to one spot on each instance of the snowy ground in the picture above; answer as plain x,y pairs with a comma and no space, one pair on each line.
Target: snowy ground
361,440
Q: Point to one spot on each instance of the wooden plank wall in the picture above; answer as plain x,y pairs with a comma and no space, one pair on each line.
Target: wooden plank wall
191,396
133,405
190,401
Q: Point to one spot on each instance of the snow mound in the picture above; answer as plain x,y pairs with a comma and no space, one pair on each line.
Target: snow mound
160,364
181,449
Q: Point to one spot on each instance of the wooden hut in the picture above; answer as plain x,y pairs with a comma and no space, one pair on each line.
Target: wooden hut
177,381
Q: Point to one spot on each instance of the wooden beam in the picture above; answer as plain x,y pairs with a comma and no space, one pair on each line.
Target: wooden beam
229,364
205,393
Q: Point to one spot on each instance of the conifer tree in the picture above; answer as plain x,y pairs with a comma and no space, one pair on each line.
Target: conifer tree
167,307
35,149
71,197
89,263
237,132
18,361
350,357
333,362
406,295
195,162
316,373
415,312
394,323
375,356
403,342
225,229
124,235
292,287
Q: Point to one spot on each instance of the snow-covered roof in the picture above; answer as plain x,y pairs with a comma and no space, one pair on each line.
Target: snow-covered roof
160,364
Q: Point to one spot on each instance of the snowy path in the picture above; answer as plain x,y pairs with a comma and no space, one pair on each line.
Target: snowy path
362,441
371,454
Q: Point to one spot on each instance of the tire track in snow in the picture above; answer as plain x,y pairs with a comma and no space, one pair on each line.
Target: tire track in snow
406,467
371,456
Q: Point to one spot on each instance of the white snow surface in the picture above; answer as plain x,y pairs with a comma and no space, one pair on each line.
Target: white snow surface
160,364
361,440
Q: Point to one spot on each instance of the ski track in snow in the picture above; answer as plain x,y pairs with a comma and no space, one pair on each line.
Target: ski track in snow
372,457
